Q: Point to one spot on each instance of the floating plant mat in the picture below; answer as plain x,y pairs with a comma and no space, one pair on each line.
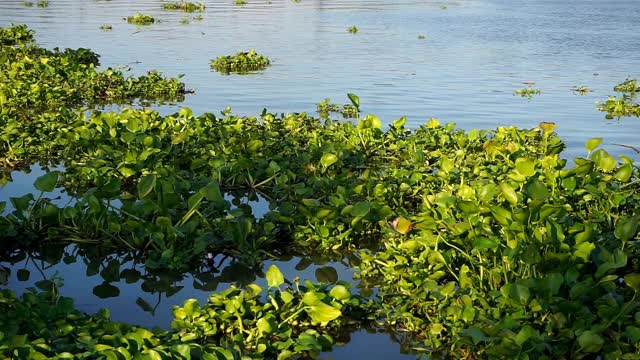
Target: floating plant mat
440,203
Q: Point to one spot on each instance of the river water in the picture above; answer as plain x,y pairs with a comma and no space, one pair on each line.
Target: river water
474,55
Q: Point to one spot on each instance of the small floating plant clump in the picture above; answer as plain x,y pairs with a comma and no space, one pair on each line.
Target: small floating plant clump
581,90
627,86
27,4
348,111
106,27
622,106
241,63
43,3
15,35
352,29
421,37
527,92
240,2
184,6
141,19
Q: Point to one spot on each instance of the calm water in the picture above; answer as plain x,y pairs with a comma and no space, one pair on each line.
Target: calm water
476,53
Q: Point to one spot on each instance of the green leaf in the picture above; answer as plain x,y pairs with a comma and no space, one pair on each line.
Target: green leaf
274,276
624,172
212,192
633,281
525,166
626,228
339,292
47,182
536,190
402,225
485,243
254,145
355,100
593,143
603,160
508,193
328,159
322,313
516,292
191,307
399,123
146,184
361,209
590,342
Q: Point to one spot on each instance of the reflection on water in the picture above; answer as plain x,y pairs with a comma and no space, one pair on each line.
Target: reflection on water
120,281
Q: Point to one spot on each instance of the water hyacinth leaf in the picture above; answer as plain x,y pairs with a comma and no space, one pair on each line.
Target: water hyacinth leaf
516,292
328,159
593,143
146,184
476,334
106,290
525,166
47,182
212,192
402,225
274,276
254,145
485,243
603,160
340,292
399,123
583,250
536,190
370,122
327,275
433,123
355,100
590,342
624,172
633,281
361,209
190,307
509,193
626,228
322,313
547,127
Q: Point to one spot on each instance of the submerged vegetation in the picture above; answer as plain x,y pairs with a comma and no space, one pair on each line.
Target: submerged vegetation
476,244
184,6
141,19
625,105
241,63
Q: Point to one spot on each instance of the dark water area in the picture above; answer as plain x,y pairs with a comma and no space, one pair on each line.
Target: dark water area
475,54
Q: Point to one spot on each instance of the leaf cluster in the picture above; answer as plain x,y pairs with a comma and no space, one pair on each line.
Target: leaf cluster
241,63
